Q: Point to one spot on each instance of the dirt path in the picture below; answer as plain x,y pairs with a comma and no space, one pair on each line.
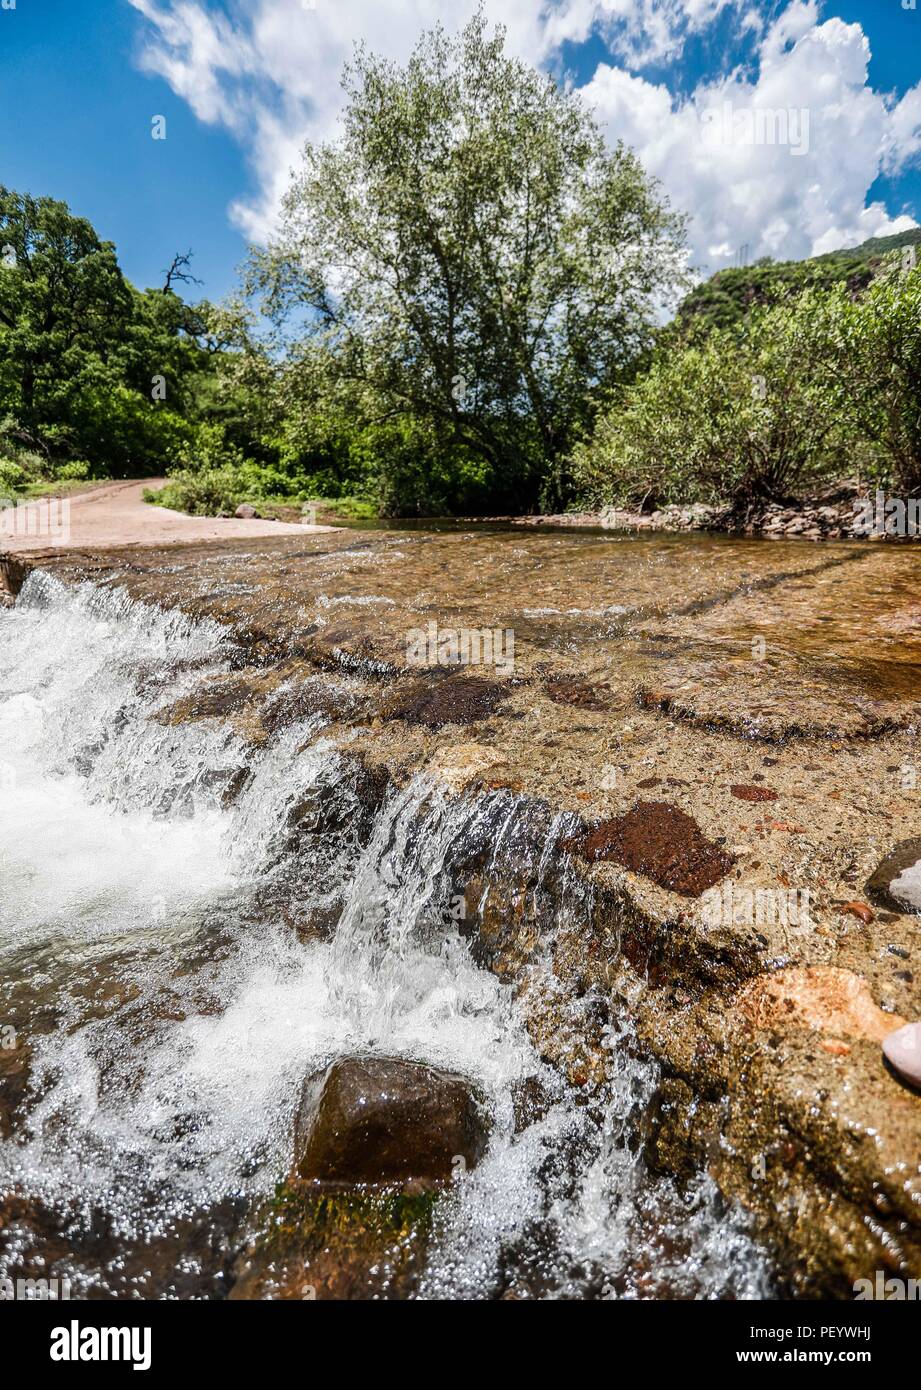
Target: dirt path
116,514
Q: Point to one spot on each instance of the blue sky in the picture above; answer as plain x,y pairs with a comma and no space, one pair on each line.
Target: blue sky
242,84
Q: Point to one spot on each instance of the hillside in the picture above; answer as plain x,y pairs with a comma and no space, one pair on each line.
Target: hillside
728,295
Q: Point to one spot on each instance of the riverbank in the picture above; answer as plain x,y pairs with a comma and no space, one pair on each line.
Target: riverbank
115,514
829,518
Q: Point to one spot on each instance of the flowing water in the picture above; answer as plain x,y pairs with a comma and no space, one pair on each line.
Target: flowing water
169,1011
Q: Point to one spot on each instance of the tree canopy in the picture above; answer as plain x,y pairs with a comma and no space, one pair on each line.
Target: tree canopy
90,367
470,255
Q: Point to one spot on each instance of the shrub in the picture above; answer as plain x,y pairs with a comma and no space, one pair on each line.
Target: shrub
201,493
120,433
747,414
878,344
76,470
12,478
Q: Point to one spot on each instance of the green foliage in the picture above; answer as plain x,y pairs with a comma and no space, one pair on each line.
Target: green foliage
878,345
76,471
207,492
12,478
81,349
724,300
747,414
213,475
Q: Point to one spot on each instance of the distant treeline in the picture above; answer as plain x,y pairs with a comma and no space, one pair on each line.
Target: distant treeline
725,299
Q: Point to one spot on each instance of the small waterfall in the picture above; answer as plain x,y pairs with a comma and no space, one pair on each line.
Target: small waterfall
171,1010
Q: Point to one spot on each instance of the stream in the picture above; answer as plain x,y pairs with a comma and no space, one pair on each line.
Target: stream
165,1011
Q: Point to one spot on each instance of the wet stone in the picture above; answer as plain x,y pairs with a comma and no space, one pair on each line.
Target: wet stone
902,1049
825,999
460,700
382,1120
563,691
660,841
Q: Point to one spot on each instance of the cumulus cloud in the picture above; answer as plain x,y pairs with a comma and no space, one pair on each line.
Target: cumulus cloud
780,161
266,70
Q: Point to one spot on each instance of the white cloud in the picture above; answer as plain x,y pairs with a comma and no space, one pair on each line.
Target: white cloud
267,71
797,198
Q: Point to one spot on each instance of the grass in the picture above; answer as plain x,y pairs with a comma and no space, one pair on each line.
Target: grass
65,487
328,509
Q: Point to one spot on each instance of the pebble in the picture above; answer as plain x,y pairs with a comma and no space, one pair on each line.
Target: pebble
902,1050
859,910
896,883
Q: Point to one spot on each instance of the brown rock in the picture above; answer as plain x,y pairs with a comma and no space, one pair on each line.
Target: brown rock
14,1085
660,841
385,1120
821,997
859,910
460,700
568,691
749,793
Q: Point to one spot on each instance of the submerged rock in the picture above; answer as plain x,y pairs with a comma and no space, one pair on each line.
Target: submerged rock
337,1245
658,840
902,1050
826,999
460,700
744,792
896,884
14,1086
563,691
385,1120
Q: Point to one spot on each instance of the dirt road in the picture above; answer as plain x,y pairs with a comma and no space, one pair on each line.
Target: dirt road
116,514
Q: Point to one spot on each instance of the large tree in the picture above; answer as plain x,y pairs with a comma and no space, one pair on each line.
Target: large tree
471,253
64,306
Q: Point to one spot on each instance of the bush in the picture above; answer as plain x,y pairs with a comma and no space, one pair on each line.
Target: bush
12,478
203,493
123,433
878,344
206,450
213,487
748,414
77,471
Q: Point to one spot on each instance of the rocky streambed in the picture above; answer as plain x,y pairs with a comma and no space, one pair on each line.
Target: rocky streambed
460,915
